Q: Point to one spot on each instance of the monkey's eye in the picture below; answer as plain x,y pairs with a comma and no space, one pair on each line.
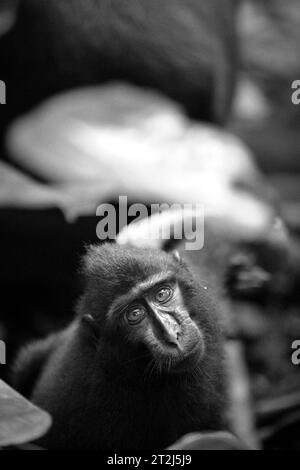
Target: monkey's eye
163,295
136,315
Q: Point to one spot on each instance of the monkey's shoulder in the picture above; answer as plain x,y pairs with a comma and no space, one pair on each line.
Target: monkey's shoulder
31,361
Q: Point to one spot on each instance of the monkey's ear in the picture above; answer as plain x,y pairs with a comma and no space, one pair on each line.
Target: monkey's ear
176,256
89,322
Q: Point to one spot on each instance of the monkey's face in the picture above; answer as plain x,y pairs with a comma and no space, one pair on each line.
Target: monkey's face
145,304
153,317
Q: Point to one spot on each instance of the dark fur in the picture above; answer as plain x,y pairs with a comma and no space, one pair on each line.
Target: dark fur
186,49
97,392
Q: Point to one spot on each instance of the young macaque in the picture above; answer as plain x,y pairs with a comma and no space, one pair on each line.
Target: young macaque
142,363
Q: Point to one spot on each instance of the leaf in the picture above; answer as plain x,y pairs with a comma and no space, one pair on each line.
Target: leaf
20,421
209,441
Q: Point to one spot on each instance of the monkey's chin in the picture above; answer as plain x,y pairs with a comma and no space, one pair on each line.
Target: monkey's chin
180,362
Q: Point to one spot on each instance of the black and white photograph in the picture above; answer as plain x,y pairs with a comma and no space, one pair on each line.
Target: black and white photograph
149,228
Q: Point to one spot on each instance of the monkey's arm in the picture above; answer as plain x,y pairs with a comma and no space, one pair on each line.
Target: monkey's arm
30,363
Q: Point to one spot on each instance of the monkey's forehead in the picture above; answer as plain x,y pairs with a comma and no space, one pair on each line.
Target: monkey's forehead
113,262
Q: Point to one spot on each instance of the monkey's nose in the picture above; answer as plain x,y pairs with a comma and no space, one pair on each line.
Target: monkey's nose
173,338
170,330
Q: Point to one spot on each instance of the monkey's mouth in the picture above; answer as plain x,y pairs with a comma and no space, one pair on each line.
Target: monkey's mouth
170,359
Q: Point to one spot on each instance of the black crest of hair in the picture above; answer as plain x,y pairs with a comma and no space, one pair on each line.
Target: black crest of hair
140,365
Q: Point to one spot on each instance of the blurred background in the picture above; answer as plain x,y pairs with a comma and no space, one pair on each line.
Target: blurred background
175,101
